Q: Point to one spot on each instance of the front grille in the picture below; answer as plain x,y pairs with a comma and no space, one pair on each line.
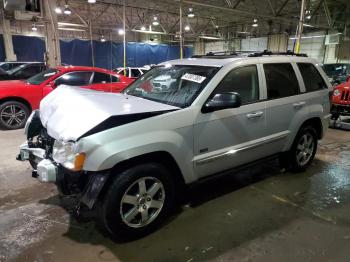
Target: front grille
345,96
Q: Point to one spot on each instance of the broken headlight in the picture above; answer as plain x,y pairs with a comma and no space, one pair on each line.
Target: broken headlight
65,154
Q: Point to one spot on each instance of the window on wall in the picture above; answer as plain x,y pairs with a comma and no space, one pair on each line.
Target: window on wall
312,78
244,81
281,80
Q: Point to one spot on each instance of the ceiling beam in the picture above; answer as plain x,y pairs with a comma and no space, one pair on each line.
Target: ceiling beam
281,8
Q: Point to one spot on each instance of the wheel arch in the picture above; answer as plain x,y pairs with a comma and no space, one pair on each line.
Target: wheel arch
316,123
161,157
17,99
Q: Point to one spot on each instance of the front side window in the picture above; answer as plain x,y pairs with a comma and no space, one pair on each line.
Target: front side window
281,80
43,76
28,71
312,78
244,81
101,78
176,85
74,79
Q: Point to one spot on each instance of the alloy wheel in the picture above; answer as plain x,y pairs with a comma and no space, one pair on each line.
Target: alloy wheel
13,115
142,202
305,149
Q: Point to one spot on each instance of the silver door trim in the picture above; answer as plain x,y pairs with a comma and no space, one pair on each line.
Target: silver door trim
234,151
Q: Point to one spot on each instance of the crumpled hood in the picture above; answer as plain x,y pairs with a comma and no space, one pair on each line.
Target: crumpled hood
70,112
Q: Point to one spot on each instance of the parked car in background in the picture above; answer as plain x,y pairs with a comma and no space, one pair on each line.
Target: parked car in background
132,158
132,72
18,98
24,71
7,66
341,100
337,73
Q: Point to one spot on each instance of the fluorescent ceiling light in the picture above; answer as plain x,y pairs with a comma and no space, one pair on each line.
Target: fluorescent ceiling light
307,25
67,11
149,32
210,37
34,28
121,32
71,29
71,24
143,28
91,1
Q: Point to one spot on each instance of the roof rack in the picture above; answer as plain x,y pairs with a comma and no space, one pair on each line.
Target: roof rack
268,53
222,54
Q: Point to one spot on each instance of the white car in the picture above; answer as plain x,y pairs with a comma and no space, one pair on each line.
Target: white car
129,156
132,72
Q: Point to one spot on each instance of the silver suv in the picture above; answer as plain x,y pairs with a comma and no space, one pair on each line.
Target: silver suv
128,156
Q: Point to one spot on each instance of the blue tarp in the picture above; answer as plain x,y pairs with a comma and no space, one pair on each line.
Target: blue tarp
107,55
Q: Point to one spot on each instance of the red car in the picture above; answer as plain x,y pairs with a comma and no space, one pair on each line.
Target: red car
18,98
341,100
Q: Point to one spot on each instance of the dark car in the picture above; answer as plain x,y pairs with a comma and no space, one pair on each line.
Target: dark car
24,71
7,66
337,73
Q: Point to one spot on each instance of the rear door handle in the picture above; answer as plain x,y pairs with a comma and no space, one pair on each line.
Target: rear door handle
300,104
255,115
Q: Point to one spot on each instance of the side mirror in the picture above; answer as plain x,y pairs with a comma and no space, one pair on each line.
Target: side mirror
222,101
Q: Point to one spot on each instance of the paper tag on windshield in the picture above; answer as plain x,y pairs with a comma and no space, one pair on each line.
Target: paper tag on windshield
193,78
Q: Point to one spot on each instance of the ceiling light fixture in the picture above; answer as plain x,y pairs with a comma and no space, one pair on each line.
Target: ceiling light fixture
187,28
67,11
143,28
255,23
92,1
121,32
190,12
103,38
58,10
155,21
34,28
308,14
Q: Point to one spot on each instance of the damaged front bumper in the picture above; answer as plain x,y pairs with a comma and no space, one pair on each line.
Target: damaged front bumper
45,170
87,185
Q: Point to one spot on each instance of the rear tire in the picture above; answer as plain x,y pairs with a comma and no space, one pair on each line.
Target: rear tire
137,202
13,115
303,150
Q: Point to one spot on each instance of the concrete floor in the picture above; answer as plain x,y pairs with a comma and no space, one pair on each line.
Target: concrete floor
256,215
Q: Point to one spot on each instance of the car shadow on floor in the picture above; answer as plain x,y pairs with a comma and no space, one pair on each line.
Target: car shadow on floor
218,215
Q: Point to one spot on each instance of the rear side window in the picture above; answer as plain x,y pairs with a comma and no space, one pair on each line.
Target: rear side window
244,81
281,80
101,78
312,78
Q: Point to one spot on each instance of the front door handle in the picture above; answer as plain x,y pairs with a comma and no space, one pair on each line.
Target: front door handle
300,104
255,115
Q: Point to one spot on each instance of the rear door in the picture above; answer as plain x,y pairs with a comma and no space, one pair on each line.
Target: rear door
286,106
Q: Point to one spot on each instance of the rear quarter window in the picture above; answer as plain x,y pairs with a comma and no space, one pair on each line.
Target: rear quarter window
311,77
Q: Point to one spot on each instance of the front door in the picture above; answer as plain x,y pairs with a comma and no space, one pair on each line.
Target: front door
231,137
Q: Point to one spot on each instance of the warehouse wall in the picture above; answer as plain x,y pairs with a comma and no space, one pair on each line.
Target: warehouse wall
107,55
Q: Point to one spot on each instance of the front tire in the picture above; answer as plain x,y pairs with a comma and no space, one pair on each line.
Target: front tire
137,202
303,149
13,115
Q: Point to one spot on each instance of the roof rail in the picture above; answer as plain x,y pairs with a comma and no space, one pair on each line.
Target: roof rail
267,53
221,54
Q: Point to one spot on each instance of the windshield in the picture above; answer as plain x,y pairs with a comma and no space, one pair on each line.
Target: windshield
176,85
43,76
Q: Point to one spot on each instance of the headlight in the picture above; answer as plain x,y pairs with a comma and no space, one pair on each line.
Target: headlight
64,154
336,92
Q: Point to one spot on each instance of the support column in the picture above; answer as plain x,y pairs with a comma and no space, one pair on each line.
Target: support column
277,43
53,53
6,29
